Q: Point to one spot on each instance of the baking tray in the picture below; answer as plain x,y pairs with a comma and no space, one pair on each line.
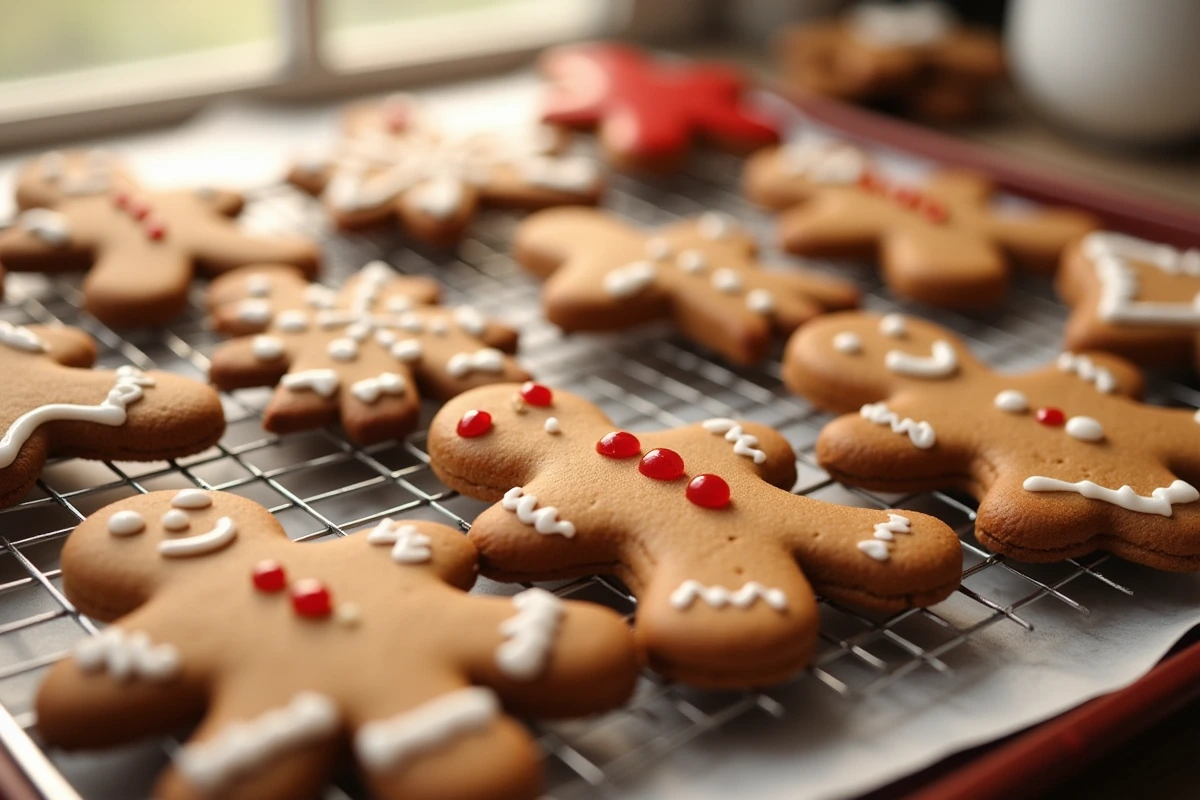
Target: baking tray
320,485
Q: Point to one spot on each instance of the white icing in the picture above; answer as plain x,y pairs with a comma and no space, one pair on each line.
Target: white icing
343,349
727,281
408,350
125,656
760,301
908,25
529,636
921,434
567,174
1089,371
411,323
126,523
200,544
387,744
658,249
1085,429
823,161
409,546
692,262
893,326
875,549
1160,500
176,520
385,338
552,425
942,362
398,304
630,279
258,285
369,390
267,348
544,520
719,597
847,342
359,331
713,225
18,337
254,311
244,746
53,164
1012,401
438,326
470,320
324,382
884,533
191,499
1111,253
318,296
49,226
744,444
112,411
441,196
292,321
489,359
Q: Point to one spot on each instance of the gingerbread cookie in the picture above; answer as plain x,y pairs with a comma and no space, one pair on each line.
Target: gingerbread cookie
290,654
942,243
697,521
55,405
1062,460
357,355
1132,297
140,247
392,164
916,55
649,111
702,273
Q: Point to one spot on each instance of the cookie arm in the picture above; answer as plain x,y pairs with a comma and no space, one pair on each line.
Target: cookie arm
437,211
219,246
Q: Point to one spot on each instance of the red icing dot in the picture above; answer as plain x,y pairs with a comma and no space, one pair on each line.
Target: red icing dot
906,197
934,211
474,423
618,444
121,199
140,211
1050,416
662,465
310,598
155,230
269,576
709,491
869,182
536,395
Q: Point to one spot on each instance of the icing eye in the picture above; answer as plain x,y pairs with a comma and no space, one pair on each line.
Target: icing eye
191,499
1012,401
552,425
474,423
175,520
536,394
661,465
126,523
708,491
618,444
893,326
847,342
269,576
1085,429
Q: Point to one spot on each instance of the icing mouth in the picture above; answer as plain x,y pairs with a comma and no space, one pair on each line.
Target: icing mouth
202,543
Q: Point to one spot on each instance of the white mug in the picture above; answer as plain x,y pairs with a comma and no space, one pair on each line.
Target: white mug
1123,70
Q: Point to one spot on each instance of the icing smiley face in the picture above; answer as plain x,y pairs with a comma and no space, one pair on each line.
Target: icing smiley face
696,520
176,522
1058,458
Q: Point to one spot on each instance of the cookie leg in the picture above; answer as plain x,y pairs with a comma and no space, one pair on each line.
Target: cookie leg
137,286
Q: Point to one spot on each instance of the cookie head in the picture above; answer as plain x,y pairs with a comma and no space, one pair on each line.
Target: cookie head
55,176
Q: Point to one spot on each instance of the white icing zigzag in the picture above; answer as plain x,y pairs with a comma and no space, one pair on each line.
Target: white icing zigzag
744,444
921,434
529,635
719,596
1110,254
127,655
884,533
19,337
1160,500
411,546
630,279
387,744
544,520
1089,371
245,745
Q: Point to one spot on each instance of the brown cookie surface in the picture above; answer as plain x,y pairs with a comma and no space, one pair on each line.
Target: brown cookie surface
697,521
1062,460
356,356
702,274
56,405
140,247
286,653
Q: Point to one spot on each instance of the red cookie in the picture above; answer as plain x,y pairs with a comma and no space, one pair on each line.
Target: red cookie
697,521
356,356
649,111
55,405
289,655
140,247
1062,460
703,274
392,164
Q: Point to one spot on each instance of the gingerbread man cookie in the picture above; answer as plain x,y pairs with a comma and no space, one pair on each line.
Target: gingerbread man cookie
140,247
1062,460
55,405
286,653
1132,297
942,243
649,111
356,356
916,55
391,164
602,274
697,521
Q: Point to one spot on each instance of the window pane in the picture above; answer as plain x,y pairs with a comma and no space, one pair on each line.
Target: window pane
350,13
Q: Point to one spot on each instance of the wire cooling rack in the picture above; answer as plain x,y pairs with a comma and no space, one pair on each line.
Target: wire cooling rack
320,485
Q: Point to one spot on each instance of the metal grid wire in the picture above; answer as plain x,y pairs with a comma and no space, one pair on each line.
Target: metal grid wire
320,485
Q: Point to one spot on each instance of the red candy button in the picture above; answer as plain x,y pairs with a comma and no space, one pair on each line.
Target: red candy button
474,423
934,212
618,444
869,182
310,598
1050,416
140,211
121,200
709,491
907,197
662,465
156,230
269,576
536,395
